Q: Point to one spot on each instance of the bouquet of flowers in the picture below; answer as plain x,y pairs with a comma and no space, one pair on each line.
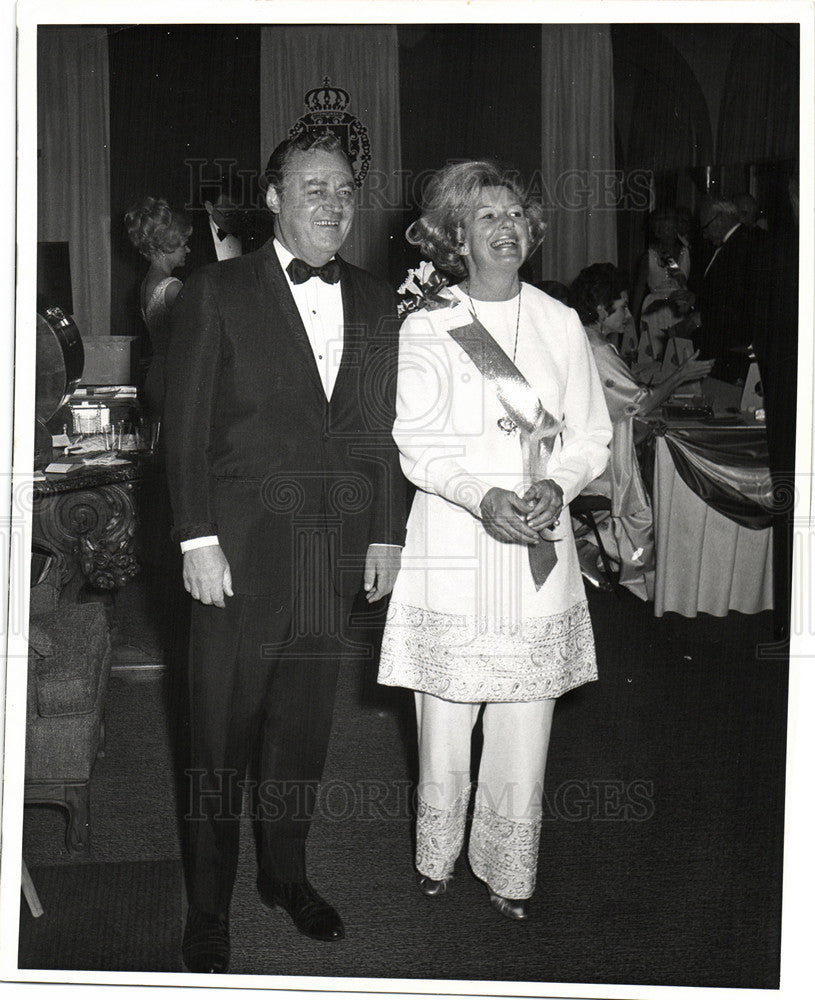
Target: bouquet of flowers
424,288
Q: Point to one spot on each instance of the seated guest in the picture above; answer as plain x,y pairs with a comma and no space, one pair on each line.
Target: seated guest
160,235
599,294
661,297
727,294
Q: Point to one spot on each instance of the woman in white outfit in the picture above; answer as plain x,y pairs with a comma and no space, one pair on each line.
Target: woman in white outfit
489,608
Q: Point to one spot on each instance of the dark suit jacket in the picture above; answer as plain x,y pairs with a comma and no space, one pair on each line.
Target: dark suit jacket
727,301
255,452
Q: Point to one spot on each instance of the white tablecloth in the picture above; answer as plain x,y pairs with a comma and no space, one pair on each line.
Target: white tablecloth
704,561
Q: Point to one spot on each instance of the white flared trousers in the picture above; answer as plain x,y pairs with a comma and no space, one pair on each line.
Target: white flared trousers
505,832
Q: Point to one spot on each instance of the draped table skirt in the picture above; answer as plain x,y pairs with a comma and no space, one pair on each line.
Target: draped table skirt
705,562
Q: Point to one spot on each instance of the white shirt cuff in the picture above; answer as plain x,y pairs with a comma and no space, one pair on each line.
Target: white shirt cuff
199,543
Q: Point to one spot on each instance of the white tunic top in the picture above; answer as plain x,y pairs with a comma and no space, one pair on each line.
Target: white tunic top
466,622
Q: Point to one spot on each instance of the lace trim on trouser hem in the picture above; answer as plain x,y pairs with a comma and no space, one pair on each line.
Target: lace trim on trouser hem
504,852
439,835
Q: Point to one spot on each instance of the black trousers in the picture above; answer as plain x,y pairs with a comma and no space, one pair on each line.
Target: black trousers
262,683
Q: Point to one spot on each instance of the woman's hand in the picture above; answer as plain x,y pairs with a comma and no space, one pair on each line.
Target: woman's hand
547,498
691,370
504,514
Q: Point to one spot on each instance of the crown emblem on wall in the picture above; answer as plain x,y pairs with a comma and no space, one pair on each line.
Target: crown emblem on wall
327,98
327,113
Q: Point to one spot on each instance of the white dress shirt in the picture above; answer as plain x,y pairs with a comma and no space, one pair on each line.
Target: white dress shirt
320,308
227,248
719,247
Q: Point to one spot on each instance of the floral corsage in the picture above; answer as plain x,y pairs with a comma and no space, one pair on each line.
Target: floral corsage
424,288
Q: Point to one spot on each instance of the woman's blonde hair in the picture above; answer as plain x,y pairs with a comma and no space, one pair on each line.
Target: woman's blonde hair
450,197
153,227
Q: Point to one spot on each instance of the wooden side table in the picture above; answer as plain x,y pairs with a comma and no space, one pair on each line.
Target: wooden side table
89,518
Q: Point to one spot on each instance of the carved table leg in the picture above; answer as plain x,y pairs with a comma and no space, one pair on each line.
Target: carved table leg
93,528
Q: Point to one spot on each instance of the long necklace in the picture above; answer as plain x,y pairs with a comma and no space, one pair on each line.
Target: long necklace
506,423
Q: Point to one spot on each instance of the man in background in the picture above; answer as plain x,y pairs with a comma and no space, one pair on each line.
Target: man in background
726,297
225,225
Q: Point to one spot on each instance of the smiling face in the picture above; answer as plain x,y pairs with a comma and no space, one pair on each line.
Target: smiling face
496,234
315,204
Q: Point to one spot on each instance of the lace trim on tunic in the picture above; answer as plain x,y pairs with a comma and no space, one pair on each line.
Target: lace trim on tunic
462,658
439,835
504,852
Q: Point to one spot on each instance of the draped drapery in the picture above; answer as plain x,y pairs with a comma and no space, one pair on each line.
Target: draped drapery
73,190
577,156
362,60
758,120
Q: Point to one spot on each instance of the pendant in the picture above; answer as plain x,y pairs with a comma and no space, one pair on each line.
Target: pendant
507,425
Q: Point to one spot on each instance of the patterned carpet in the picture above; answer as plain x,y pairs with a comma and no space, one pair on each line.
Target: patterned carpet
660,857
111,917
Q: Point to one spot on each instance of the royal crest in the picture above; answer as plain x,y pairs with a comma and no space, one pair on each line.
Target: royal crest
327,113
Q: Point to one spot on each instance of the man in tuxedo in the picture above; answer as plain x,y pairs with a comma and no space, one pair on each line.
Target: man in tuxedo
222,227
727,290
287,496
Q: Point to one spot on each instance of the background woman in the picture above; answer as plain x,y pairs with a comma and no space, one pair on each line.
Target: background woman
160,235
661,298
469,624
599,294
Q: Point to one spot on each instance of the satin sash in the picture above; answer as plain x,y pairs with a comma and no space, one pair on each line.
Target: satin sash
537,428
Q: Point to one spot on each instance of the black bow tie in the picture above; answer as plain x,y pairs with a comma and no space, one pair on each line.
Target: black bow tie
299,271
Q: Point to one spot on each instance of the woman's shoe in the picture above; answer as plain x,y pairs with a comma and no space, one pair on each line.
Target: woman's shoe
434,887
514,909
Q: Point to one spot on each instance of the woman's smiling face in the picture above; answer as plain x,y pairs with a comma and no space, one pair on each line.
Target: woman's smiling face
496,234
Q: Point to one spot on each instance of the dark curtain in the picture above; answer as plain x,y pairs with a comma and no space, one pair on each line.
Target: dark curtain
184,104
759,111
669,126
467,91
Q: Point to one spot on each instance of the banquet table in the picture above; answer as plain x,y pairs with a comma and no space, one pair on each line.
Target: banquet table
707,561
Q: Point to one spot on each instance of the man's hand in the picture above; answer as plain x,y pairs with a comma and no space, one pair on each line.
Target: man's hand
207,576
547,498
382,564
504,513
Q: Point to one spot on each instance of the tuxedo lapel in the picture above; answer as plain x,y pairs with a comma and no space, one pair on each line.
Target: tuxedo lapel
276,290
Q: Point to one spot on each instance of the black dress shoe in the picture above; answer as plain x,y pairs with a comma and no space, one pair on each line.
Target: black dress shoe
206,942
311,914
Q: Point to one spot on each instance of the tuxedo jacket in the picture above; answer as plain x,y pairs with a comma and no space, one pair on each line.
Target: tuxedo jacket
255,452
202,245
727,298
